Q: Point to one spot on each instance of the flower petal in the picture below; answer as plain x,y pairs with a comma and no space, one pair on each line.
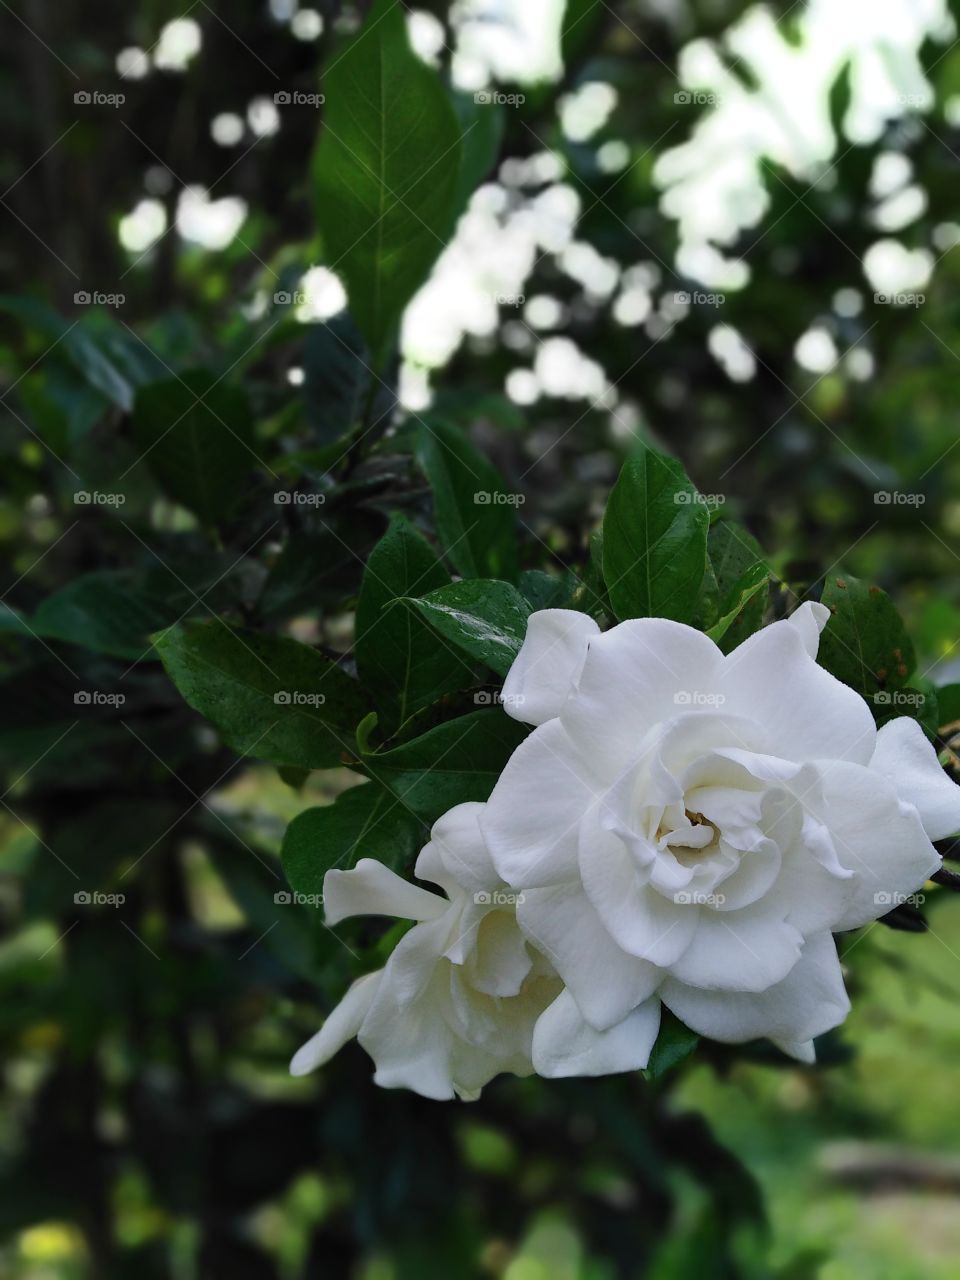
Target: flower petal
809,620
456,857
876,836
548,664
342,1025
565,1045
808,714
532,818
807,1002
905,756
604,980
635,675
371,889
642,921
746,950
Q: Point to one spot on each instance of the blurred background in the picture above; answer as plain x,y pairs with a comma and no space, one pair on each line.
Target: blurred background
728,228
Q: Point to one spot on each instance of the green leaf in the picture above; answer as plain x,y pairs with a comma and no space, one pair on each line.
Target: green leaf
482,127
547,590
457,761
270,697
386,170
948,702
754,581
865,643
674,1043
654,540
195,435
108,612
364,822
475,522
485,618
338,379
400,659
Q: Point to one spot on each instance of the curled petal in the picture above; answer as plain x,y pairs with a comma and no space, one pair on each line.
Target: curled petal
810,1000
905,756
565,1045
548,665
342,1025
371,889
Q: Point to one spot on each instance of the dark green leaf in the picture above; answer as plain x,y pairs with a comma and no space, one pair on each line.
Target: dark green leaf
654,540
674,1043
269,697
196,439
473,510
547,590
865,643
485,618
482,127
337,380
364,822
739,565
460,760
400,659
386,171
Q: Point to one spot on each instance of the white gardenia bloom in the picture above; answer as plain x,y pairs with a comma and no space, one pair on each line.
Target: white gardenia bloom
689,827
464,994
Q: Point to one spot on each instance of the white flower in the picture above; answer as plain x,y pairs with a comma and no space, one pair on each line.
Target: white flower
690,827
462,995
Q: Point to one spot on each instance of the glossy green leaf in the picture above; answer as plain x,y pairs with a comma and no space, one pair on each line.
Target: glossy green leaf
386,171
473,509
195,435
865,643
654,540
270,697
364,822
674,1043
457,761
400,659
485,618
